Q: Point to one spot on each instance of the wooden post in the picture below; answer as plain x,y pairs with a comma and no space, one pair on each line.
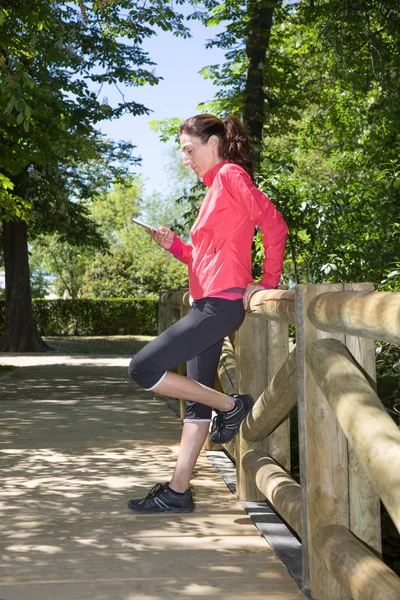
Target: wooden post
365,520
225,382
162,312
278,346
227,367
362,416
323,456
251,349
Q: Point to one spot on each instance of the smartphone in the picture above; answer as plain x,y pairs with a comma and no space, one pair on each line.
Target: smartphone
143,224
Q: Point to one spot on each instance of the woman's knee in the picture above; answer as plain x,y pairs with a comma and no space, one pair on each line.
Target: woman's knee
144,373
134,369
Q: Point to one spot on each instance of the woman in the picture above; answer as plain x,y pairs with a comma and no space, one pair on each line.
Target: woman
221,285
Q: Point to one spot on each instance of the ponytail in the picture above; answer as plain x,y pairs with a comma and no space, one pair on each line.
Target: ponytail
234,144
237,147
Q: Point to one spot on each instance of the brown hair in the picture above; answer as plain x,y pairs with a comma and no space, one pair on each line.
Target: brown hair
234,143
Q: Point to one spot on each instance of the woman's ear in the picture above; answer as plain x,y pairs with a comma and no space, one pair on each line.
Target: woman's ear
213,141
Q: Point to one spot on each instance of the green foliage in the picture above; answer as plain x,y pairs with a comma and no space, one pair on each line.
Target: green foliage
388,355
56,56
58,265
134,268
94,317
113,209
131,265
11,206
331,132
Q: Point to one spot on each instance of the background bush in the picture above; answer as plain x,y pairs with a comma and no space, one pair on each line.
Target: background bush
136,316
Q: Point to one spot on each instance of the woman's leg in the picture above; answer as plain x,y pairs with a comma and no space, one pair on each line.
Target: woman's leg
209,321
202,369
196,339
179,386
194,435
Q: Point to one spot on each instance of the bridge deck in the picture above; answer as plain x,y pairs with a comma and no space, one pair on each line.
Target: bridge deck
78,441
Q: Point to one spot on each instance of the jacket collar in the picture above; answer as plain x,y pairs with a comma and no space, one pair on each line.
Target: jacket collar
209,177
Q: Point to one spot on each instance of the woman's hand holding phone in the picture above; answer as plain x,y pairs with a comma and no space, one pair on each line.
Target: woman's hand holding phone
162,236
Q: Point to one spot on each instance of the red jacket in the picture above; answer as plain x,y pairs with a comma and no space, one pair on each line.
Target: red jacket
223,232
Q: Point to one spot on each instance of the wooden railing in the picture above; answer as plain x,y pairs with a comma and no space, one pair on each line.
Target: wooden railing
349,446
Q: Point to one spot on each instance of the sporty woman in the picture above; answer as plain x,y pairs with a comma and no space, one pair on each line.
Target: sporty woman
221,285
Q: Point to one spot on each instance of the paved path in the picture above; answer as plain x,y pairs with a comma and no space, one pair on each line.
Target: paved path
78,440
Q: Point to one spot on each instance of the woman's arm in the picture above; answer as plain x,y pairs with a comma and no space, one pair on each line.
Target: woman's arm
263,214
180,250
167,239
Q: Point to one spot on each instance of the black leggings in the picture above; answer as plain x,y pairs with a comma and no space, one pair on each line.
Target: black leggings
197,340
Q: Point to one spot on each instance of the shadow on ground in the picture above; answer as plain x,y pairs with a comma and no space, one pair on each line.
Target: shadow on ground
78,442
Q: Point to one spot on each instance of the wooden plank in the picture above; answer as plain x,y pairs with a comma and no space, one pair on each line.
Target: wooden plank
365,521
323,454
362,416
282,491
161,314
357,569
278,352
227,367
251,349
368,314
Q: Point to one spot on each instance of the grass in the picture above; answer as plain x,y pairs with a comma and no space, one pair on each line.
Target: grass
6,368
113,345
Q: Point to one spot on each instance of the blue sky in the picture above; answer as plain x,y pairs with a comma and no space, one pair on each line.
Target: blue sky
178,61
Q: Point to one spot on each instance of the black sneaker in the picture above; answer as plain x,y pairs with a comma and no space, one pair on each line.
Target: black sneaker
227,423
162,499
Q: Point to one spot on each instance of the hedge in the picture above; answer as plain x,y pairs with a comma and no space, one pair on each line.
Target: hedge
115,316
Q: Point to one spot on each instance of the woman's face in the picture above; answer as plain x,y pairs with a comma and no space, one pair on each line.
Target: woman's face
198,155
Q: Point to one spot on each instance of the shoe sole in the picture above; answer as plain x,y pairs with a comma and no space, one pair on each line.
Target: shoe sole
183,511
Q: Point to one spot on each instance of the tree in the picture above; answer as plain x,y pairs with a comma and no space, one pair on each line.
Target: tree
52,54
134,265
61,264
135,268
330,131
131,264
243,78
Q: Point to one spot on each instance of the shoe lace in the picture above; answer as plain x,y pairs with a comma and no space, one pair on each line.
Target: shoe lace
218,422
156,488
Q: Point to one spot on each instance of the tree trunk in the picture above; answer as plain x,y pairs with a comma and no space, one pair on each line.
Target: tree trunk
260,14
20,331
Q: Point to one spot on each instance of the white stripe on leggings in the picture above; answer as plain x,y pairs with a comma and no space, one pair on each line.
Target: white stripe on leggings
156,384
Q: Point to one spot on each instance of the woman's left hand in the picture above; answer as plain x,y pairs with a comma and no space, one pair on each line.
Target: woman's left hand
251,289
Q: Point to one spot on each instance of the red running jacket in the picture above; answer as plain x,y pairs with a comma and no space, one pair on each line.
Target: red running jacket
222,235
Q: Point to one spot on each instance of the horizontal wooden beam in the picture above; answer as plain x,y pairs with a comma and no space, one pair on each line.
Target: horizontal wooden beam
366,314
176,299
277,305
354,566
362,416
274,404
276,485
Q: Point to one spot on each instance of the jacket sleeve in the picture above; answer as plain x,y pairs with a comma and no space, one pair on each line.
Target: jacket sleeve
180,250
262,213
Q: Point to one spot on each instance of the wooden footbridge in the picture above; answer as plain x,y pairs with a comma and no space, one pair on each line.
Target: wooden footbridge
79,439
349,446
